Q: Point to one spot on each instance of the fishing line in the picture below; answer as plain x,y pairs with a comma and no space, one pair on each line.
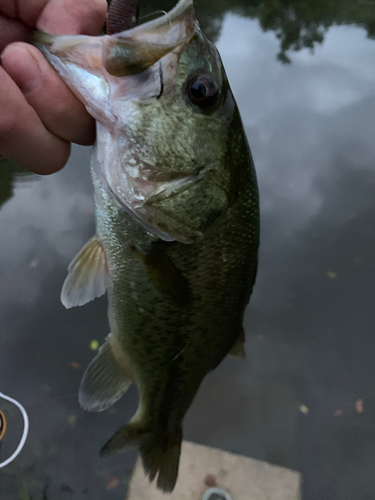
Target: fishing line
151,14
25,429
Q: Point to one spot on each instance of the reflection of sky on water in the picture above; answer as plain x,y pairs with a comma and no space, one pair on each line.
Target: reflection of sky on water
41,222
311,127
299,116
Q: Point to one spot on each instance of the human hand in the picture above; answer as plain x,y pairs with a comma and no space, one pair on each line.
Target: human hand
39,115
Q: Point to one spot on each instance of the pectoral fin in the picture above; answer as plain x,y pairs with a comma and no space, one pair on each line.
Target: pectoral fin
87,275
106,378
238,349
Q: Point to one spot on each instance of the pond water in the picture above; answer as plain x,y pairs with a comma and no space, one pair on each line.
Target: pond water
304,398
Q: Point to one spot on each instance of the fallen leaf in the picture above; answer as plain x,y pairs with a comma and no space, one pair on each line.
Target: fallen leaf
359,406
72,420
331,274
210,480
94,345
112,483
337,413
304,409
75,365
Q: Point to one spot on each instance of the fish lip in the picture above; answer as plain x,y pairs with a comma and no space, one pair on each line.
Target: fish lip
179,27
133,50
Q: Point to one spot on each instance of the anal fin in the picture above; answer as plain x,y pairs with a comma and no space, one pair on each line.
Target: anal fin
87,275
106,378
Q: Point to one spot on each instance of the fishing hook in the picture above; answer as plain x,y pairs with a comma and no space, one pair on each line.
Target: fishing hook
25,430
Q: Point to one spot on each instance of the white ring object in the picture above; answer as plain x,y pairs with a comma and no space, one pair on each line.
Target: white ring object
25,429
216,491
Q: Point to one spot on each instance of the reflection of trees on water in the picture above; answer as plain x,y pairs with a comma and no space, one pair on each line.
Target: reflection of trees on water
297,23
302,24
9,174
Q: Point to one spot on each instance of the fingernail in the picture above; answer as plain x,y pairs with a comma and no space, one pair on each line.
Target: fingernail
22,67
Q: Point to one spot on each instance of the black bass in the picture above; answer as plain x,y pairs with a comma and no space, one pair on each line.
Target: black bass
177,218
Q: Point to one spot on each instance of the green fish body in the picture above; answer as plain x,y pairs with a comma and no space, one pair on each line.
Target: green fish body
177,218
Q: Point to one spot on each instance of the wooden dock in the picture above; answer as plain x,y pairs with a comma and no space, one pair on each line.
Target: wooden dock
202,467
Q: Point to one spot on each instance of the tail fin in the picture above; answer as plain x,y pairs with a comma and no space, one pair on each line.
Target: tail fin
160,452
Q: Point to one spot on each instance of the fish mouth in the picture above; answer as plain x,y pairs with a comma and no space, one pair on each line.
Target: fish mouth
126,53
133,51
105,72
110,74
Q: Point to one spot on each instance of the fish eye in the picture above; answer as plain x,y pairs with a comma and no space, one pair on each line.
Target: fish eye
202,90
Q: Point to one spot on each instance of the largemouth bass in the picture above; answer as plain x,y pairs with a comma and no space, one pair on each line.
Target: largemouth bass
177,219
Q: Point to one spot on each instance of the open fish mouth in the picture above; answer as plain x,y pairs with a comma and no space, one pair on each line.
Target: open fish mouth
111,75
122,67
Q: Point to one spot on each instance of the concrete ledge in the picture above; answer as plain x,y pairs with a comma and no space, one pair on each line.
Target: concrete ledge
202,467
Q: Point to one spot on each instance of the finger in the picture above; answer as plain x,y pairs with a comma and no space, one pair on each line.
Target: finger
12,30
27,11
61,17
23,137
57,107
